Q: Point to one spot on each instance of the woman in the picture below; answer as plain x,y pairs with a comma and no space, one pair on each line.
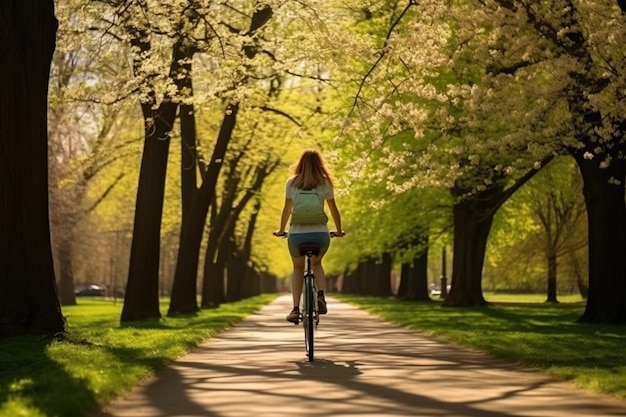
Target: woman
309,174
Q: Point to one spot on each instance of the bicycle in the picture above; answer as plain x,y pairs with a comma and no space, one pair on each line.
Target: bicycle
309,314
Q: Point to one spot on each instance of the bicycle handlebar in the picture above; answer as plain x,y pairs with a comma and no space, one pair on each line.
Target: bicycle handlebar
332,234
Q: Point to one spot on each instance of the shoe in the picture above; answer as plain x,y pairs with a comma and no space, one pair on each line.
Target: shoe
321,304
294,316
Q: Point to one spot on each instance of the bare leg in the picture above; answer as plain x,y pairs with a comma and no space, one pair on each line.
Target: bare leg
318,271
297,279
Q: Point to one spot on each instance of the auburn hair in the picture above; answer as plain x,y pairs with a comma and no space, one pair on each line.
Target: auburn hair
310,171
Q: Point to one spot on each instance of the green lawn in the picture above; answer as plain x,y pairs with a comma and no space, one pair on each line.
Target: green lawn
100,359
522,329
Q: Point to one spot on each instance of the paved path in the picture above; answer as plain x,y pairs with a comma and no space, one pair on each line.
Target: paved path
364,367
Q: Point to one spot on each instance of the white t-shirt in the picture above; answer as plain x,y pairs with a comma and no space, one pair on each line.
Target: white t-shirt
324,192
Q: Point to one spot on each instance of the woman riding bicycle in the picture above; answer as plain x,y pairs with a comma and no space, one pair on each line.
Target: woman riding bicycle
310,174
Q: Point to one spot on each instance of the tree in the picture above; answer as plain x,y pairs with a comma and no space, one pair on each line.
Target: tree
436,127
28,296
142,288
558,211
591,93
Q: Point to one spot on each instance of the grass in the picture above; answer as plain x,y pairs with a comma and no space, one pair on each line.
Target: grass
100,359
522,329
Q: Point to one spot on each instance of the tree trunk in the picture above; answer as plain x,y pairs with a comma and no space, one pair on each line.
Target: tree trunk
212,272
28,294
66,269
243,284
364,282
236,273
418,287
552,265
471,231
142,289
414,275
193,218
603,189
184,289
581,282
376,276
219,234
349,282
405,276
356,281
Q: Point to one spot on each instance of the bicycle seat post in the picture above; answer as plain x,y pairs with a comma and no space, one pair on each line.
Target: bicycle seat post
309,250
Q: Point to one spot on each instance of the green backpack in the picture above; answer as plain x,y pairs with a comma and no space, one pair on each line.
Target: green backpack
307,208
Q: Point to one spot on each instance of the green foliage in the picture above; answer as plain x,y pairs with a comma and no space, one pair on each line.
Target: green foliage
521,329
459,92
547,213
73,374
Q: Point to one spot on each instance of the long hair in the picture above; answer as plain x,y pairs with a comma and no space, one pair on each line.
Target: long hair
310,171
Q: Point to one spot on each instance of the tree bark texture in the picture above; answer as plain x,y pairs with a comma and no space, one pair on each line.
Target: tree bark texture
142,289
552,267
606,212
28,294
403,286
471,231
66,268
414,274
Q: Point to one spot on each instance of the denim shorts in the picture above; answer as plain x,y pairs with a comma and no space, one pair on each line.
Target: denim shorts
319,238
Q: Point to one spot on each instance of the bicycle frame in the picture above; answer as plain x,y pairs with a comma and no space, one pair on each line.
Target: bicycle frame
310,315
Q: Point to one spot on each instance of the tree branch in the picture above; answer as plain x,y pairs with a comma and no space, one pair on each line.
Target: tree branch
382,54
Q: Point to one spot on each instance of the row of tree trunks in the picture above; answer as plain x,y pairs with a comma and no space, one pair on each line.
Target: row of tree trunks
414,279
244,282
414,274
371,277
226,257
183,299
184,291
220,237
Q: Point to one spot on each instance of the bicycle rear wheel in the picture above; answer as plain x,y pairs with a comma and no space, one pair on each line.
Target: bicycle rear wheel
308,321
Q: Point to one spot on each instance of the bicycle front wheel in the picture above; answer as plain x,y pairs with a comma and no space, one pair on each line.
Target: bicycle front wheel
308,321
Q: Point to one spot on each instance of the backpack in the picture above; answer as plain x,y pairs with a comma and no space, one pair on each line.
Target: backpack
307,208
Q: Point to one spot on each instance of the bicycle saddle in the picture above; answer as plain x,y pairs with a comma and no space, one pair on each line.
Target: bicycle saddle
309,247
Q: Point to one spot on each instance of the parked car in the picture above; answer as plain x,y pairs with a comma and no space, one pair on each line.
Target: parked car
91,290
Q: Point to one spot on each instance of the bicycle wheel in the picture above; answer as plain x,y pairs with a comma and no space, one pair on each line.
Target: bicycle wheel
308,321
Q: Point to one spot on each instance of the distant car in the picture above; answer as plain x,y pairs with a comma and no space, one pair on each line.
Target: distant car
90,290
